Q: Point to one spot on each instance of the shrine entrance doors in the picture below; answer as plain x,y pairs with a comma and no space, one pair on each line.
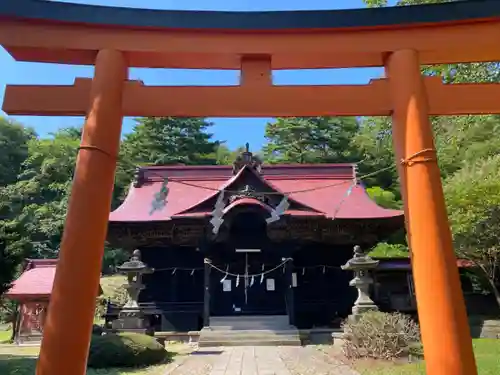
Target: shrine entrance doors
255,283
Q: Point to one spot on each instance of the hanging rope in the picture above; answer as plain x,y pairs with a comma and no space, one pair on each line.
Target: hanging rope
344,197
286,193
418,157
251,275
194,269
178,269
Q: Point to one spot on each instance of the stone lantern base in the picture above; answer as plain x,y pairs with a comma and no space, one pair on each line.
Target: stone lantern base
131,321
359,310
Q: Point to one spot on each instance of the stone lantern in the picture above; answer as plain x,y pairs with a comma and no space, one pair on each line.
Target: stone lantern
130,317
361,264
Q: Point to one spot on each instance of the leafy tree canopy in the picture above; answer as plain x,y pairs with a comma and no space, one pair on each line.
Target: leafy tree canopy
169,140
14,140
473,200
311,140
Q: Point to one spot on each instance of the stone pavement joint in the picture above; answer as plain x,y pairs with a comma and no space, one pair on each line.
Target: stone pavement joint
262,360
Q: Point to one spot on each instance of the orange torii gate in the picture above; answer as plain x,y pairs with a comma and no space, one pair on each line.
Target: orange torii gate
114,39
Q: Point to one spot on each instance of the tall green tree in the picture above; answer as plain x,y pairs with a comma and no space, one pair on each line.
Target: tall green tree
460,140
223,155
373,143
169,140
8,266
14,139
163,141
384,198
473,200
311,140
35,205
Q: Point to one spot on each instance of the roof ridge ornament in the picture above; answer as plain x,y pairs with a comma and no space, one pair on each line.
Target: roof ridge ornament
248,191
247,158
139,177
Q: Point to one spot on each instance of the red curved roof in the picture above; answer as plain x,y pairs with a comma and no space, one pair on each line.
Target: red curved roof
323,190
247,202
35,281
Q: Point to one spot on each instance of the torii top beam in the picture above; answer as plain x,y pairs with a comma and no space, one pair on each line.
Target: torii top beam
42,31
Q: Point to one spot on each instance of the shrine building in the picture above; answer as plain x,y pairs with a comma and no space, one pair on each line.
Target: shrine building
289,269
220,245
32,291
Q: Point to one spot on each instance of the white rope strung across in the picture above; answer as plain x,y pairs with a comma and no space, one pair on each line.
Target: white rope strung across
287,193
225,276
260,274
160,198
192,270
189,269
345,196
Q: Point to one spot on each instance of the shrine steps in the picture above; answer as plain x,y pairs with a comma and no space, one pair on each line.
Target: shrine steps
250,322
209,338
273,330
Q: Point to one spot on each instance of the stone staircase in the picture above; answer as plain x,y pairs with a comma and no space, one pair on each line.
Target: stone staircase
486,328
267,330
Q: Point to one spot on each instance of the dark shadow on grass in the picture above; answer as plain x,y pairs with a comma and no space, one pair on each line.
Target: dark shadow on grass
121,370
19,365
26,365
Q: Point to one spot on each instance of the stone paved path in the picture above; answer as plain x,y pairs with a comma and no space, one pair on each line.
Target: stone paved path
199,362
250,360
310,360
259,360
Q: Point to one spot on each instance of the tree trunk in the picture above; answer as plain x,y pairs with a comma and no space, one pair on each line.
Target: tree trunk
15,322
495,291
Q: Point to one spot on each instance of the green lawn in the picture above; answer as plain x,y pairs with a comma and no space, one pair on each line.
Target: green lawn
5,335
22,361
110,284
487,357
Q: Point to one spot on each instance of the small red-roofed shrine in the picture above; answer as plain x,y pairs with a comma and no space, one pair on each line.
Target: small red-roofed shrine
32,291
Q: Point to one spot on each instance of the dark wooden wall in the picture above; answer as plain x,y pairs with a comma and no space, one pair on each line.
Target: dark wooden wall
179,294
321,296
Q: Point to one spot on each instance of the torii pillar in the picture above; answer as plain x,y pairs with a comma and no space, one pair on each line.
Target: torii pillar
68,327
441,308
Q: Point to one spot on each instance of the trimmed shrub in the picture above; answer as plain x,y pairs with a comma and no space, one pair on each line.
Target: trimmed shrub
380,335
416,351
125,350
97,330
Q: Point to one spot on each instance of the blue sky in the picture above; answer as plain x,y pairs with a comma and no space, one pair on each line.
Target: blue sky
235,131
